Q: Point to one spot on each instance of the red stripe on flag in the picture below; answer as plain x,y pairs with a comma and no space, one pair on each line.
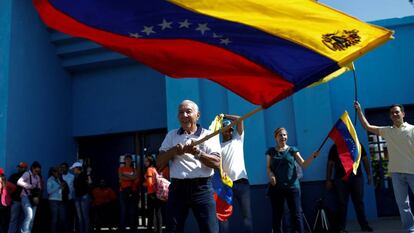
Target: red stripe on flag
343,152
236,73
223,209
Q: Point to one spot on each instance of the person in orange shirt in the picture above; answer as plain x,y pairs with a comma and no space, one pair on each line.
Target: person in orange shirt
103,198
128,194
153,203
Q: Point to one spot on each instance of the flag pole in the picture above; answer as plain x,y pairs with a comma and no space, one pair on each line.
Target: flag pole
326,138
356,91
195,143
323,143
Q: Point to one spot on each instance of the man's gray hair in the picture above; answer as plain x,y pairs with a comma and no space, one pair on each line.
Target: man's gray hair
195,106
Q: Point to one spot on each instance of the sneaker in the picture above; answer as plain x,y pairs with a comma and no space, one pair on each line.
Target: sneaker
367,229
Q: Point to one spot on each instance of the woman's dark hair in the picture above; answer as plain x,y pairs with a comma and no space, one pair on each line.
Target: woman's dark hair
128,156
151,160
35,164
51,170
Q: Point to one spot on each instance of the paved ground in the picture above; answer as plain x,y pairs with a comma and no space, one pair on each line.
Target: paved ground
381,225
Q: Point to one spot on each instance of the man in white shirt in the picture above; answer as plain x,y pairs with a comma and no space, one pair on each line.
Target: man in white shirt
232,154
400,143
191,168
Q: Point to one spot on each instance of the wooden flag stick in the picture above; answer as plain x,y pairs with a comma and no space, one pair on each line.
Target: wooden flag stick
323,143
195,143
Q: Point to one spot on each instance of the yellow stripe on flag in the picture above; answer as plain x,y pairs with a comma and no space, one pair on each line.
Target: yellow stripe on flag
320,28
333,75
347,121
216,125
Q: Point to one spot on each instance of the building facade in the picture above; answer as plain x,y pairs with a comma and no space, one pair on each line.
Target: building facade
63,98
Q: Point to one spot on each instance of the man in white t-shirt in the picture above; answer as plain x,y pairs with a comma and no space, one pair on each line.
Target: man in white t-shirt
191,168
400,143
233,166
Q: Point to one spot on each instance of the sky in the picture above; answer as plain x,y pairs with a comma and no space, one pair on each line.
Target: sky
371,10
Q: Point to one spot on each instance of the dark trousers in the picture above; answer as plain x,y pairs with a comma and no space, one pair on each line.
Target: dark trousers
102,216
354,187
154,212
241,196
292,196
129,211
196,194
4,218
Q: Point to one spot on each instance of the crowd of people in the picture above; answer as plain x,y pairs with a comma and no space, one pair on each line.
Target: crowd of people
75,202
189,167
192,166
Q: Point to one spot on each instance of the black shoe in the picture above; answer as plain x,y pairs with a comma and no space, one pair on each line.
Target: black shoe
367,229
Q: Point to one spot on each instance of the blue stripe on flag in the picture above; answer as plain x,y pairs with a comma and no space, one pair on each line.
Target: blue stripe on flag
346,135
159,19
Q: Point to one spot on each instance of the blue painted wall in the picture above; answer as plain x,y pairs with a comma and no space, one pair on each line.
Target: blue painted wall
5,19
121,98
39,95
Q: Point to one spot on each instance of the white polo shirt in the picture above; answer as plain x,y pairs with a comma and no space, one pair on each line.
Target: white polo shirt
400,142
186,166
233,157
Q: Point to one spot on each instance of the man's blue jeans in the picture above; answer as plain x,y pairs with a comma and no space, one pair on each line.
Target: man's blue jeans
29,215
400,183
58,212
16,217
82,205
241,196
196,194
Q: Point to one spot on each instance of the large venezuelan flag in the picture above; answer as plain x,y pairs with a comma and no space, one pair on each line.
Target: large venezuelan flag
263,50
346,140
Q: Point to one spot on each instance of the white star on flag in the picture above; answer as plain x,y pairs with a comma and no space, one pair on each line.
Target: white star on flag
184,24
148,30
225,41
165,24
135,35
217,35
202,27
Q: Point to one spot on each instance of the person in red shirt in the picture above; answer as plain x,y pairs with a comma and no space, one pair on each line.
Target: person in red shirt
6,188
128,194
103,198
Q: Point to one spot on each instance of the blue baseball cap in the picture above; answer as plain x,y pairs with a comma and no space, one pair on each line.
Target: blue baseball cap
226,123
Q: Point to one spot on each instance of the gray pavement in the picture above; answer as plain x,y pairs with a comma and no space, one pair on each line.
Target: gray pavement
380,225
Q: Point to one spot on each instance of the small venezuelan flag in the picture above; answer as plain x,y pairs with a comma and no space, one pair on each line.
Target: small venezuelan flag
222,184
346,139
223,195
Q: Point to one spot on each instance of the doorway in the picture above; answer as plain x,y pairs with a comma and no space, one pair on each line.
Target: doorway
103,153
